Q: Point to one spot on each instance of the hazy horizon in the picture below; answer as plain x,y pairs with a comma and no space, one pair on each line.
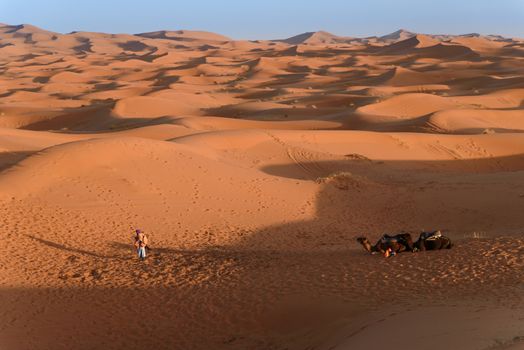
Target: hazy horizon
270,19
275,38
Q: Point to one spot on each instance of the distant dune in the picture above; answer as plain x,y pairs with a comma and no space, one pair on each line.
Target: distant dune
184,35
317,38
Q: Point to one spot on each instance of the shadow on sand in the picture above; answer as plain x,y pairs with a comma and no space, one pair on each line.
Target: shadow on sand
285,286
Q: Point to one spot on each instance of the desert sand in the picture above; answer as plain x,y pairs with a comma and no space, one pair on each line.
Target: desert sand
253,166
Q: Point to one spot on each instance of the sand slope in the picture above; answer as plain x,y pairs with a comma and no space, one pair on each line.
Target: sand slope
253,166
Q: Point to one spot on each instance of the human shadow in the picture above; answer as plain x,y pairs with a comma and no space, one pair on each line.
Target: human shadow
72,249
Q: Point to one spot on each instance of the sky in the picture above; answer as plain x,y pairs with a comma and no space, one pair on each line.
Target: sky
271,19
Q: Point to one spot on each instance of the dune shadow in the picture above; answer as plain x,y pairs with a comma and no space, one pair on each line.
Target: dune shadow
376,168
8,159
289,285
133,45
96,117
357,195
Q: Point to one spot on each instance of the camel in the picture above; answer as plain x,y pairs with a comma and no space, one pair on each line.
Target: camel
432,241
379,247
388,245
403,238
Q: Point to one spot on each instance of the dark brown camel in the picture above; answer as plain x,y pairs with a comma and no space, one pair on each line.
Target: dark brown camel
432,241
386,244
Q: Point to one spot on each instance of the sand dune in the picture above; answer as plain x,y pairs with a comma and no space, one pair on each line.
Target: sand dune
254,165
429,47
175,105
409,105
416,105
475,121
317,38
185,35
400,34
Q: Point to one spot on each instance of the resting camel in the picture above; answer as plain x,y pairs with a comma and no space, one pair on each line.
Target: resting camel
432,241
396,244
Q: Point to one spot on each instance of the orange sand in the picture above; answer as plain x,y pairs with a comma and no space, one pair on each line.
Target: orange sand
227,153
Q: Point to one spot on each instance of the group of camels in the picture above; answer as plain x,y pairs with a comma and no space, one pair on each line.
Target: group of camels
402,242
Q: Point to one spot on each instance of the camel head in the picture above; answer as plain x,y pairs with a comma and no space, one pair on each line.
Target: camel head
365,243
362,240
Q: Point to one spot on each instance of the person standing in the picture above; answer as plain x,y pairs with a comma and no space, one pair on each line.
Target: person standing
141,242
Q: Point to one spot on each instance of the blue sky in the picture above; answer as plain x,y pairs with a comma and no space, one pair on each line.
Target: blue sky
271,19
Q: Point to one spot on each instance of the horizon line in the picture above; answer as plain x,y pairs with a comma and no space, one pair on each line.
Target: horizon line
274,39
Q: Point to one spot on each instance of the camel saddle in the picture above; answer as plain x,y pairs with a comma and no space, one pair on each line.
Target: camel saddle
431,236
387,238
